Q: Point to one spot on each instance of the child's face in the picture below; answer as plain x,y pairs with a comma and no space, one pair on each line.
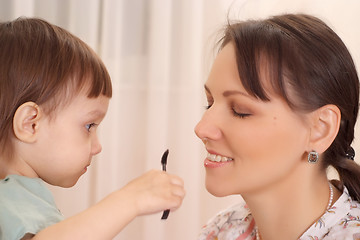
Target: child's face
67,143
264,141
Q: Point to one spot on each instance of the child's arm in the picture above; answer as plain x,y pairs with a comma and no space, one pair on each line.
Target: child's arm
152,192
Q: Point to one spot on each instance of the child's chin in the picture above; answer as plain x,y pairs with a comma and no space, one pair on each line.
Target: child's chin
68,183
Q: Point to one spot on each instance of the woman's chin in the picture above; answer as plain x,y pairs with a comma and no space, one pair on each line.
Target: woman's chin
216,190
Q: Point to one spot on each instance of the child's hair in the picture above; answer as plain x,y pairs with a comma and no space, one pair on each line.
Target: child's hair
309,66
47,65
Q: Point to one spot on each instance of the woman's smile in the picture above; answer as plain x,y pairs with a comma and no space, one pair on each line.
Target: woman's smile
215,160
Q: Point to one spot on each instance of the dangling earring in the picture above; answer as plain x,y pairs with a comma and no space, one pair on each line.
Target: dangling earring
313,157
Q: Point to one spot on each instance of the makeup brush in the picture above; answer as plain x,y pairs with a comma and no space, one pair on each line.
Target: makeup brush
163,163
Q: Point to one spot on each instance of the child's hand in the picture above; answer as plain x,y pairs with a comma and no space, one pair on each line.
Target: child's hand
155,191
152,192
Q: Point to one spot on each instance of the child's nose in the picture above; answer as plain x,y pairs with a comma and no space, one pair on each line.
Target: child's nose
96,146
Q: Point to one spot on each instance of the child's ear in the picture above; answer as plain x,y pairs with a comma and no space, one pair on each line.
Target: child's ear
26,122
325,123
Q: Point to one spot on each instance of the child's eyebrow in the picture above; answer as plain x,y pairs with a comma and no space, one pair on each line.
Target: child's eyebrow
97,113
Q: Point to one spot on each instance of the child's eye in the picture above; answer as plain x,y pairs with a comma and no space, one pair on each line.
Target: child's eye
89,126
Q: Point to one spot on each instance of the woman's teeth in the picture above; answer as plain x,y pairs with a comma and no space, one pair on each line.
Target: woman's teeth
218,158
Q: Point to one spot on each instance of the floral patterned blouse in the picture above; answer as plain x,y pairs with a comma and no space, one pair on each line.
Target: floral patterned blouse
340,222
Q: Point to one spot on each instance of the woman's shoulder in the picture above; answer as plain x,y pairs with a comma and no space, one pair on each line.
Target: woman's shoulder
350,217
348,227
229,224
341,221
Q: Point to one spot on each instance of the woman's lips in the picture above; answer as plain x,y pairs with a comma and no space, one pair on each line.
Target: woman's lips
214,160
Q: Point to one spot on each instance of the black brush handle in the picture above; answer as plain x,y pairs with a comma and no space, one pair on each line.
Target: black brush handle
165,214
163,163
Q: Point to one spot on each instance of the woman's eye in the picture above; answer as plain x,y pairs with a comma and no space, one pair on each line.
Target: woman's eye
210,102
241,112
240,115
89,126
208,106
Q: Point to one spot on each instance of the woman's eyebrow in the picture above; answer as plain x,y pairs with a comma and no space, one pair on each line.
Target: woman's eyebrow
229,92
234,92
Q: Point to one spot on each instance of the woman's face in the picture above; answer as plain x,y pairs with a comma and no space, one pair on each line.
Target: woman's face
251,144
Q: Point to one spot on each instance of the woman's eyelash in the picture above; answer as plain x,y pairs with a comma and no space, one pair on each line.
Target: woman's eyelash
240,115
210,102
235,113
207,106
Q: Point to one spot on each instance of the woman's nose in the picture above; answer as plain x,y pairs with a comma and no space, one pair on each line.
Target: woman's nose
208,128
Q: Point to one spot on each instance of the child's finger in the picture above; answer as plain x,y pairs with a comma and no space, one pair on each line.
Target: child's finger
176,180
179,191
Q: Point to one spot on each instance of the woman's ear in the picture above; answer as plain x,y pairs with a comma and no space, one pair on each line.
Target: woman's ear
325,123
26,122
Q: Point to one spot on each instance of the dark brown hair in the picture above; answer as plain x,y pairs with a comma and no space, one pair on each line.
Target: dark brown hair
310,67
45,64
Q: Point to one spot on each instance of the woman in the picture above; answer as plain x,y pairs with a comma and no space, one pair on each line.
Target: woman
283,99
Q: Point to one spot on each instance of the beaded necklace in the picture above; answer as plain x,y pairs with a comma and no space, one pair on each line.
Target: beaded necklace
327,208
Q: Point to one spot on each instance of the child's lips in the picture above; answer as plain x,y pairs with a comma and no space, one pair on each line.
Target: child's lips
85,168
